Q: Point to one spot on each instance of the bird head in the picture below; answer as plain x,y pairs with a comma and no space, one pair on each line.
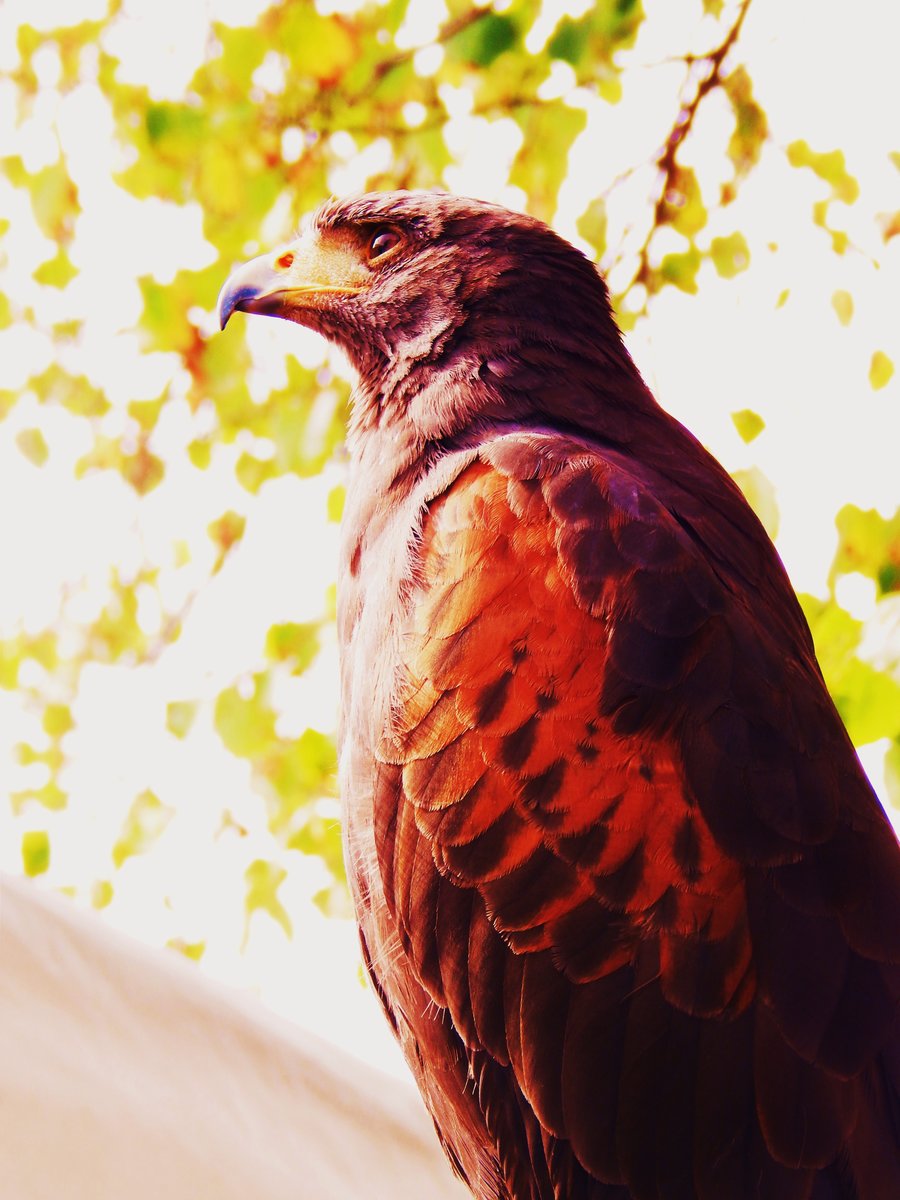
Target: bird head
425,291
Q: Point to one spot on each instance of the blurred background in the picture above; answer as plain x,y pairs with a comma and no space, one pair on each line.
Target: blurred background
170,495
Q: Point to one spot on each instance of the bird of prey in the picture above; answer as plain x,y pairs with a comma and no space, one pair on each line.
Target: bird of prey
624,892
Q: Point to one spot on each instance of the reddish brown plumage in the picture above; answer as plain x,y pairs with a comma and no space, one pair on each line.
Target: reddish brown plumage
624,891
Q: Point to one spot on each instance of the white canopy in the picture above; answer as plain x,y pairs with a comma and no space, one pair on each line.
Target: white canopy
125,1073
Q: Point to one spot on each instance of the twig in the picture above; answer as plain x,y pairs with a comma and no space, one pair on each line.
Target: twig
667,159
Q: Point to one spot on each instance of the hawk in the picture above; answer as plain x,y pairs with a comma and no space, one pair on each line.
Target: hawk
624,892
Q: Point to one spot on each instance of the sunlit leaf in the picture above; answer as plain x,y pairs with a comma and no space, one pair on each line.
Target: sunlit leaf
57,720
146,820
842,303
830,166
682,205
481,43
681,270
180,716
294,643
761,496
730,255
751,126
335,503
57,271
892,773
540,166
35,851
592,226
32,444
227,530
245,723
870,544
881,370
263,879
318,46
748,423
101,893
192,950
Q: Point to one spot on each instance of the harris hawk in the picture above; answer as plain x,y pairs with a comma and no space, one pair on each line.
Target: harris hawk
625,894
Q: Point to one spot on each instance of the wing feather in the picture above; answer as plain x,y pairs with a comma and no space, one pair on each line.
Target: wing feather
631,852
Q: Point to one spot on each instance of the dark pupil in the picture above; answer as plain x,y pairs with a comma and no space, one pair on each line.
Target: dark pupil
382,242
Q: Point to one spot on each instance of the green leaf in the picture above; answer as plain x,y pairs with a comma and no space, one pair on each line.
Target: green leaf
297,644
842,303
35,852
570,41
881,369
32,444
321,836
180,715
485,40
681,270
730,255
760,495
543,158
263,879
748,424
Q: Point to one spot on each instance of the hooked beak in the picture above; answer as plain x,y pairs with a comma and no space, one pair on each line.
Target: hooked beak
290,280
255,287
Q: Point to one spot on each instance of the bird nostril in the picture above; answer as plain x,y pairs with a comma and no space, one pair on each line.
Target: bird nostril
284,261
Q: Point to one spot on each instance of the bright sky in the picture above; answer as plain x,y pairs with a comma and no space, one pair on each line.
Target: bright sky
819,77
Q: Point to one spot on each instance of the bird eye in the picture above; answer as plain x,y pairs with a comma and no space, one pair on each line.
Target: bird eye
382,241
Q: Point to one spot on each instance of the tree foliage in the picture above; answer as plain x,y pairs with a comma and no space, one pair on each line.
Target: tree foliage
279,112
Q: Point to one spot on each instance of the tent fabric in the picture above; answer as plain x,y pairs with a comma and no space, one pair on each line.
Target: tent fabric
124,1072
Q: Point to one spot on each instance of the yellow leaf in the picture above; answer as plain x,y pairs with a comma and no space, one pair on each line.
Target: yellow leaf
263,879
842,303
880,370
730,255
335,503
56,272
146,820
761,497
32,444
180,716
748,424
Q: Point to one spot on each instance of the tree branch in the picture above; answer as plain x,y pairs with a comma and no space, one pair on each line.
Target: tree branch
667,159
